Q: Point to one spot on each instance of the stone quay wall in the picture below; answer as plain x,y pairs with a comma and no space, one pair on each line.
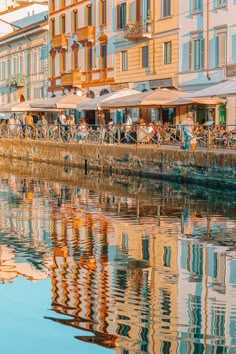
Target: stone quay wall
205,167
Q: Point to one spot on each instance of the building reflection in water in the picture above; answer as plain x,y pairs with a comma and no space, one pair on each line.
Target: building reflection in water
139,277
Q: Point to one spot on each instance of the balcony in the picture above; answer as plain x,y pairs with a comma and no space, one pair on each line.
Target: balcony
86,34
17,81
136,31
72,78
59,41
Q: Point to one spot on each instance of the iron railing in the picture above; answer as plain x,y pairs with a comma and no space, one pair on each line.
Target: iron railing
165,135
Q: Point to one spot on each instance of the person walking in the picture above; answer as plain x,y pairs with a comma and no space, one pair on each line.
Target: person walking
102,127
188,128
128,128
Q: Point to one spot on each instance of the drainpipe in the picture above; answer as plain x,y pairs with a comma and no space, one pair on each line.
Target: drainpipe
207,40
153,35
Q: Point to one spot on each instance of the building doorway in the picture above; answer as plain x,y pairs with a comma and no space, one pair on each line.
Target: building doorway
22,98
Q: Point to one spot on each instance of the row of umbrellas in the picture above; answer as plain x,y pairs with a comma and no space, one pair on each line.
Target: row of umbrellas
128,98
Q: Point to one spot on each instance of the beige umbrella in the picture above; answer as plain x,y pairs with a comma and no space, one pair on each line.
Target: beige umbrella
96,102
157,98
190,101
222,89
20,107
60,102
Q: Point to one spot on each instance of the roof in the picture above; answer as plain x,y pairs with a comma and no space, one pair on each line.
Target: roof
22,30
22,4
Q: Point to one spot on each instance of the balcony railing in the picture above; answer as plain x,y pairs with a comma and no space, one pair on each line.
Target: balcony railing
17,81
59,41
86,34
136,31
72,78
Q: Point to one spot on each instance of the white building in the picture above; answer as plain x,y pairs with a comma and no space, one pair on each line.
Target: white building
23,52
207,49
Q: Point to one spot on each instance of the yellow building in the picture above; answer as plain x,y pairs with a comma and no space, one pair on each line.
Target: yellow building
147,43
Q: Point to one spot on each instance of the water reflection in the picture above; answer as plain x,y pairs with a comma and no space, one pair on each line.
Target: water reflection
140,275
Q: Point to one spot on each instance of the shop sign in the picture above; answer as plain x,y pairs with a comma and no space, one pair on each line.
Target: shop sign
118,87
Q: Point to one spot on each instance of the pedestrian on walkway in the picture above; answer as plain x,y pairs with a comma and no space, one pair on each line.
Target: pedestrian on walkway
188,128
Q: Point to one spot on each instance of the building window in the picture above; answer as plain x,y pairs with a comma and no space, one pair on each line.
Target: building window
221,53
90,58
53,66
124,60
89,15
221,3
63,61
103,12
196,54
196,6
20,64
103,56
63,24
74,21
3,70
121,15
35,62
145,57
75,59
53,27
37,92
167,52
14,66
166,8
167,256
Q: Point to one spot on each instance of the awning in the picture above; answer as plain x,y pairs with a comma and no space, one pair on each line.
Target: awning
157,98
96,102
191,101
20,107
60,102
223,89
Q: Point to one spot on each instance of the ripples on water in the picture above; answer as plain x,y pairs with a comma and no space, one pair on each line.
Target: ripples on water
155,275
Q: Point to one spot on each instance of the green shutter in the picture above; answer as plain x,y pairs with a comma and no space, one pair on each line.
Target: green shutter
190,46
202,53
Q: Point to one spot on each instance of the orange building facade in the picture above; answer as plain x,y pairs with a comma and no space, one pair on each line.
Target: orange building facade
81,55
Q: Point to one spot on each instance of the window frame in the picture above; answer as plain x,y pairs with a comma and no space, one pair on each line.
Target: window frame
163,8
145,61
166,55
124,60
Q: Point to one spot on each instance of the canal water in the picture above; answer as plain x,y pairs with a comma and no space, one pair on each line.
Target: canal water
127,265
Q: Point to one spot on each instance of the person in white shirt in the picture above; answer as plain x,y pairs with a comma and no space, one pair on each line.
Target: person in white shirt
188,128
128,128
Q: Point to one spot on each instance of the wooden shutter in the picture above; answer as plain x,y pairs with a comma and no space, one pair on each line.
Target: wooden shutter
118,16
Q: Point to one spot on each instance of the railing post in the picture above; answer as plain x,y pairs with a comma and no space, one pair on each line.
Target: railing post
59,132
208,137
118,134
182,135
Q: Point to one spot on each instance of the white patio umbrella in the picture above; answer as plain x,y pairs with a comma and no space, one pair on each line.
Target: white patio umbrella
156,98
223,89
95,103
191,101
20,107
60,102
